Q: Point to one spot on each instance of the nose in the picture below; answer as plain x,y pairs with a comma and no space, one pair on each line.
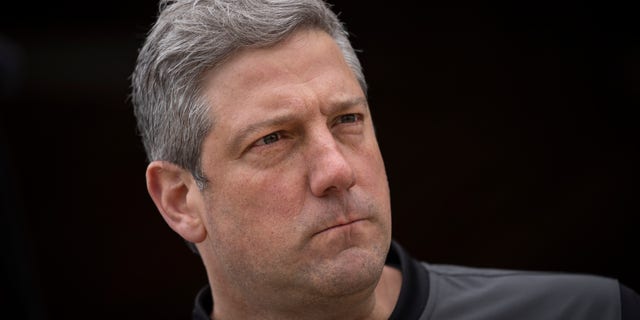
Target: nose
329,170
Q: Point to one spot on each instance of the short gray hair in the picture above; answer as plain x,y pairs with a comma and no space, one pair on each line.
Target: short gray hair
194,36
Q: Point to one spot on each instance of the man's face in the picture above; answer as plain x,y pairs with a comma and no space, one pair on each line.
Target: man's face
297,200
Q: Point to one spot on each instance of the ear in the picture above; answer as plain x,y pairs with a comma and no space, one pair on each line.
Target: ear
176,194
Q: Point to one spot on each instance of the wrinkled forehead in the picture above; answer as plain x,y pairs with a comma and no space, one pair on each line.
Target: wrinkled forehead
306,60
252,64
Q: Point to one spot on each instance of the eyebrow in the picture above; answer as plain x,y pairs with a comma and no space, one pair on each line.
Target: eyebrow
348,103
238,139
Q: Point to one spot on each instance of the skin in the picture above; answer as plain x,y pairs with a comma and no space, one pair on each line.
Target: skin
295,221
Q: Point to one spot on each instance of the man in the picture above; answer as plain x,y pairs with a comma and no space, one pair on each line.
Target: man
263,154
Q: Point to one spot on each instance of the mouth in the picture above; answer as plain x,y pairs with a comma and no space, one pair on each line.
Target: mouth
339,226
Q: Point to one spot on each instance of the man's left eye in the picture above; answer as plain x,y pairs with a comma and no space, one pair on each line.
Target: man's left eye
349,118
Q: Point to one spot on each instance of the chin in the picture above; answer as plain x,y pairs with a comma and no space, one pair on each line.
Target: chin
353,270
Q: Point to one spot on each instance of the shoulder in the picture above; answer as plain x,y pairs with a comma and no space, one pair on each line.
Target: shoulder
493,279
513,294
630,303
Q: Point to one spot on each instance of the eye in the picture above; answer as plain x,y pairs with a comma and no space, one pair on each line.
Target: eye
268,139
349,118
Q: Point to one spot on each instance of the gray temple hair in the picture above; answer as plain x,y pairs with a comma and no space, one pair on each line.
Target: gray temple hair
191,37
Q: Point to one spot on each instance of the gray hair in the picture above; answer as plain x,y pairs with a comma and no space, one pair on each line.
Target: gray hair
193,36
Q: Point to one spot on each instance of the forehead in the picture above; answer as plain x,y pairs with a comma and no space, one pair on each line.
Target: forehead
309,59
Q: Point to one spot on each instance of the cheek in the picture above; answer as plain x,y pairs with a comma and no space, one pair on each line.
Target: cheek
371,168
263,197
372,177
256,215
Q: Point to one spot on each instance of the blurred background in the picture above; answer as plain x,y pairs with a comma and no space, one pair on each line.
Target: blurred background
509,133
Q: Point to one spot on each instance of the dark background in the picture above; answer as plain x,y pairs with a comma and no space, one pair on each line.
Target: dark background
509,133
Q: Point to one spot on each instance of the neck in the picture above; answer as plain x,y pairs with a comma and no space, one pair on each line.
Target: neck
370,304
